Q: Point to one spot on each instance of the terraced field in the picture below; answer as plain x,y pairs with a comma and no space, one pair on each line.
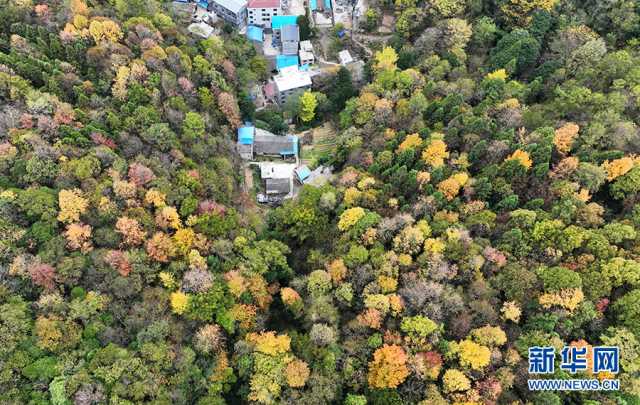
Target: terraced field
324,142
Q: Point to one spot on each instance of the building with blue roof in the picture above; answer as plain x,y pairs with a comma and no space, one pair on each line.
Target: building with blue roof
246,135
278,21
283,61
302,173
278,24
254,142
255,33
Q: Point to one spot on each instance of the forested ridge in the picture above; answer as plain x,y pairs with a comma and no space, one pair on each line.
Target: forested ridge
485,201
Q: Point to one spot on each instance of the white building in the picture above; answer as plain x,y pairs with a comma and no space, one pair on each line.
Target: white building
260,12
290,81
306,58
306,46
306,53
232,11
345,57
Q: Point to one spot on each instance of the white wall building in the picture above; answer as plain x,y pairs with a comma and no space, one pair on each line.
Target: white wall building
306,53
232,11
291,81
306,58
260,12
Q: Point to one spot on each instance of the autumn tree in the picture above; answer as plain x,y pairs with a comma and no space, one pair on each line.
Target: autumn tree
308,104
388,368
72,205
131,231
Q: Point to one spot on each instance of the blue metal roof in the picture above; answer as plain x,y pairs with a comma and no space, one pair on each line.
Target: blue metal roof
303,172
245,135
313,4
283,61
255,33
278,21
294,146
203,3
327,4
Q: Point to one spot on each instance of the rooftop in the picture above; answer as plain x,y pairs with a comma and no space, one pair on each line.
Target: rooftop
232,5
276,145
290,79
255,33
263,4
303,173
278,186
306,46
345,57
290,32
304,55
283,61
245,135
269,170
278,21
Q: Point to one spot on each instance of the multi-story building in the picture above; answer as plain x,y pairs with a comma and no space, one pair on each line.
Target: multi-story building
289,82
232,11
289,38
260,12
306,53
279,21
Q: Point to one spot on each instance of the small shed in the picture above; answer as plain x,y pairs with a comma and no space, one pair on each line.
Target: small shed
345,57
302,173
255,33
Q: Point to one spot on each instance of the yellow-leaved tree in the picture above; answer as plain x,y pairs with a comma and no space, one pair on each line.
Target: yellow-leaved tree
105,30
521,157
474,355
435,153
564,136
455,380
297,373
308,104
179,302
72,205
386,59
617,167
388,368
410,142
350,217
520,12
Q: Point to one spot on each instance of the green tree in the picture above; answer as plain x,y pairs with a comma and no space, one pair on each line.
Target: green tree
193,126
